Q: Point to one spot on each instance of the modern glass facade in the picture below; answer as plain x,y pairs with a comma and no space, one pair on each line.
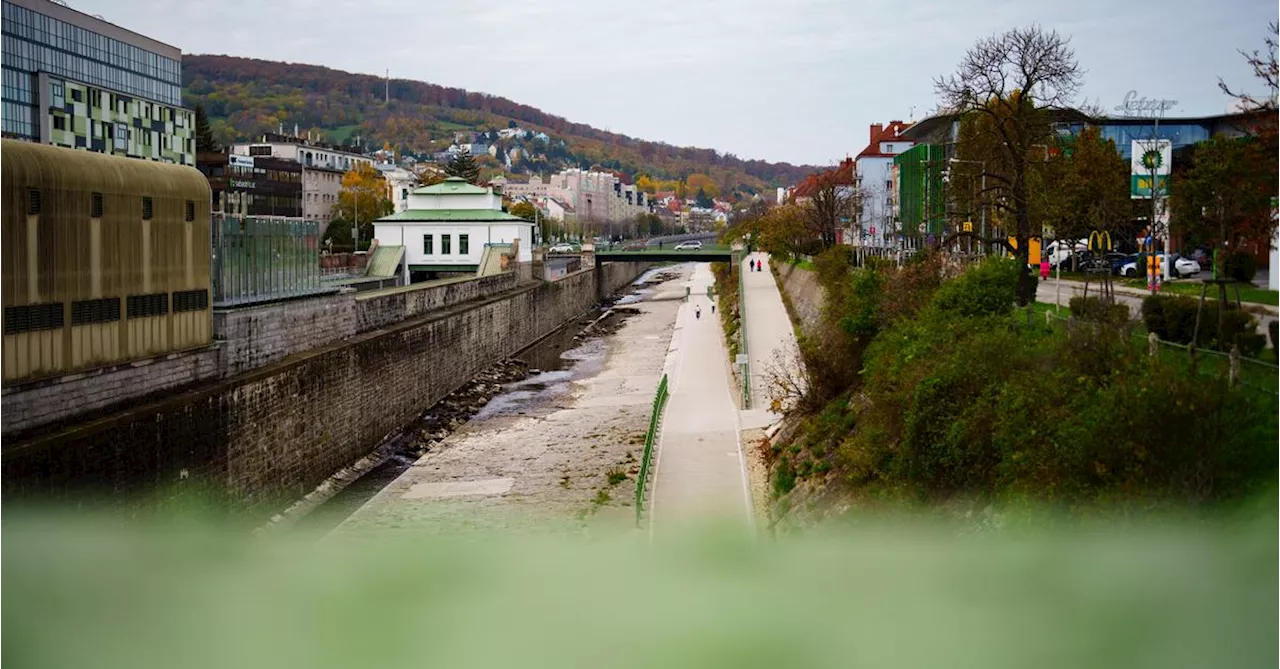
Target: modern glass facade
77,81
1180,132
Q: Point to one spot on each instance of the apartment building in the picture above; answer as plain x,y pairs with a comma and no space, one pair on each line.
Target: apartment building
80,82
322,168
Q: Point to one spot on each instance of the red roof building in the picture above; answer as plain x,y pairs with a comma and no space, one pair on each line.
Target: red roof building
844,174
884,133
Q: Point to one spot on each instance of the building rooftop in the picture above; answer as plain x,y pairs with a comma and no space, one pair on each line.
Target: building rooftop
451,216
452,186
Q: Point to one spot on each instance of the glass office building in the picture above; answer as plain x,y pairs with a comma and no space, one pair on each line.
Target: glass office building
77,81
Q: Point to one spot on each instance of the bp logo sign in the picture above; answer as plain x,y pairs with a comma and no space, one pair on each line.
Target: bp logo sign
1152,160
1149,163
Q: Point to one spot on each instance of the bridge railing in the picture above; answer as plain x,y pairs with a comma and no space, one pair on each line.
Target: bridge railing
655,419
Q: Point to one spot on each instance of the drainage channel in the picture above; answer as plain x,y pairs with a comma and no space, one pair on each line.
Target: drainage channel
552,364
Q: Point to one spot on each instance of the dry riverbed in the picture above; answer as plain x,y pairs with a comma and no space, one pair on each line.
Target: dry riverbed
558,450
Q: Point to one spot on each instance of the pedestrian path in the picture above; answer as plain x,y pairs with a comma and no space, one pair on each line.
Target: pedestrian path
699,469
770,338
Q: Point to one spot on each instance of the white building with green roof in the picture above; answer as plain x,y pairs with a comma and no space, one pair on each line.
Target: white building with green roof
447,226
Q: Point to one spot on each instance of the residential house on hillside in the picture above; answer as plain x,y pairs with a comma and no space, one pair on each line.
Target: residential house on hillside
399,183
874,169
447,228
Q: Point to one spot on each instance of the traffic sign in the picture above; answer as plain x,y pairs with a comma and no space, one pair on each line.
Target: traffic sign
968,226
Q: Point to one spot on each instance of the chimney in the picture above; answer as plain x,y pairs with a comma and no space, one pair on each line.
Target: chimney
876,129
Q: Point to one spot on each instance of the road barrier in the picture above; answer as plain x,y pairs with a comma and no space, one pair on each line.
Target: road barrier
655,418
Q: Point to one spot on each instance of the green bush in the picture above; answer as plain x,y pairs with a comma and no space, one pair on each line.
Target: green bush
979,408
1242,267
988,289
1094,309
1174,319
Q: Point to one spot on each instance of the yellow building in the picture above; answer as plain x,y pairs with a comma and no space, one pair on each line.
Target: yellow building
105,260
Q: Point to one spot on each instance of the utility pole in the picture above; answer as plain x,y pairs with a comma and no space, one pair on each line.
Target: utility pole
388,100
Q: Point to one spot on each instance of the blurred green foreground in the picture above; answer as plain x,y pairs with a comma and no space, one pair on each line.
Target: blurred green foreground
85,591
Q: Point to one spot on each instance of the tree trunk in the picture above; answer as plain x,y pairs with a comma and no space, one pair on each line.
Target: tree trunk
1026,280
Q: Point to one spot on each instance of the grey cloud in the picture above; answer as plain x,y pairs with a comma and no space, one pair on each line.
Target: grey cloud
798,80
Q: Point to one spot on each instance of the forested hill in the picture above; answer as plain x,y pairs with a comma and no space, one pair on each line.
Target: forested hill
245,97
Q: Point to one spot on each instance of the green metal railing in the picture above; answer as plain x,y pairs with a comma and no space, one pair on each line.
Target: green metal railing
655,417
742,340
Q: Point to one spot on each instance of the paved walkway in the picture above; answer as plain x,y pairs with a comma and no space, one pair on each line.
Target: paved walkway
1047,291
770,338
700,472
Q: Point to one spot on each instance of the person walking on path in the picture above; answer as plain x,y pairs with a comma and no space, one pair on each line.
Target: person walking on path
697,311
1044,268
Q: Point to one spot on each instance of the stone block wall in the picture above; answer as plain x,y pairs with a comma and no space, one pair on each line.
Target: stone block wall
382,308
252,337
45,402
269,436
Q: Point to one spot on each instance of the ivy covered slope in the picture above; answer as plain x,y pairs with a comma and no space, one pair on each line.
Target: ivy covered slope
245,97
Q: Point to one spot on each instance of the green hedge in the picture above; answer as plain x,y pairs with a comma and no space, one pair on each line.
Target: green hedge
1174,319
1274,328
1242,267
1094,309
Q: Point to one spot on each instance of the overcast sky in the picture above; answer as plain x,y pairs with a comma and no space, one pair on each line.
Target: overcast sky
793,80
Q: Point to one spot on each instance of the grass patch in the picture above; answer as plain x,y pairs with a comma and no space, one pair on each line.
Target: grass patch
602,497
616,475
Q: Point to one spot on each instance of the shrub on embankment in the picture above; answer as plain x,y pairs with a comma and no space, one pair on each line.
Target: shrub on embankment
726,286
953,397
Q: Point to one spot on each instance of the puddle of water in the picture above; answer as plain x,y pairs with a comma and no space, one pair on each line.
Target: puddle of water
560,368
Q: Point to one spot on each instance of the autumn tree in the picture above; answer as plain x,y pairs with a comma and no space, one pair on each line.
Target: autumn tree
205,142
827,209
362,198
524,210
648,225
701,182
1222,198
782,230
1009,82
1086,188
465,166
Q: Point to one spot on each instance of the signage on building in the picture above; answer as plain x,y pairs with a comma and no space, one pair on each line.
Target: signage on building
240,161
240,183
1150,159
1134,106
968,226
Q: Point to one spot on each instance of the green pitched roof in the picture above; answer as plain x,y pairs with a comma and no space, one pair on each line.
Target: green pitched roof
451,186
452,216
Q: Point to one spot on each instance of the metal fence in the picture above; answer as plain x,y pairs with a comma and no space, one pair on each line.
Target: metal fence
655,419
1239,370
258,259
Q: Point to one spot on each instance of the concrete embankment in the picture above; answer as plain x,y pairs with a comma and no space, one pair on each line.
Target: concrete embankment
555,452
263,438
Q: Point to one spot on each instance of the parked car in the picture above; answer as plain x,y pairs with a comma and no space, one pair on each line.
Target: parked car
1182,267
563,248
1117,261
689,246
